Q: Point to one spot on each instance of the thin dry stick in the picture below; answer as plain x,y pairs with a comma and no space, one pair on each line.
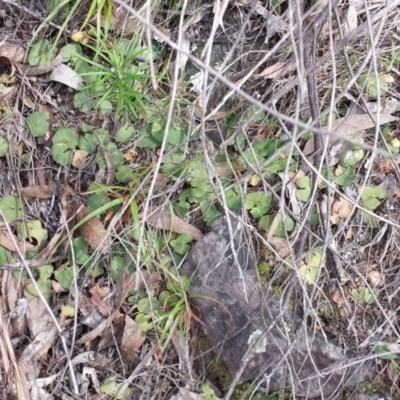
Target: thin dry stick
26,10
14,369
136,371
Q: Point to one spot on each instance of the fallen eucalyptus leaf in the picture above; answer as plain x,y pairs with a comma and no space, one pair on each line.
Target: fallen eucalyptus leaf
64,74
163,219
93,231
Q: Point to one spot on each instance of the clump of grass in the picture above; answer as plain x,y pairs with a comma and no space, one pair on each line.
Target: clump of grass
117,76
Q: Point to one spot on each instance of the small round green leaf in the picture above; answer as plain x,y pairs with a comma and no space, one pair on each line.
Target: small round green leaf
347,177
101,135
210,213
258,203
83,101
32,229
364,295
233,199
11,208
181,243
124,174
5,256
38,123
265,223
314,259
116,156
124,133
67,136
371,196
40,53
65,276
105,107
61,153
71,52
175,136
373,85
309,274
87,143
157,131
3,147
304,185
380,349
351,157
146,140
80,250
44,284
111,387
117,263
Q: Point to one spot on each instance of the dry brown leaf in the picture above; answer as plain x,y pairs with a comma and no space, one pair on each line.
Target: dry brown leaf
389,78
296,175
224,168
163,219
254,180
376,279
90,312
8,243
349,126
351,22
274,226
57,287
98,330
42,329
337,298
38,191
8,93
386,166
97,294
358,122
121,22
132,340
309,147
36,349
143,279
112,335
66,75
161,180
93,231
349,234
198,112
79,158
341,209
10,367
387,106
38,393
186,395
166,32
182,348
273,71
94,358
50,118
43,68
14,52
334,219
344,313
110,165
16,302
280,246
130,155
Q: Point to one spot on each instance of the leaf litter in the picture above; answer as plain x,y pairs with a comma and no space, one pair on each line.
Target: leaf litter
108,309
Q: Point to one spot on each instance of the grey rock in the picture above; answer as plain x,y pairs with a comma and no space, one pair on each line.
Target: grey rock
370,396
246,324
